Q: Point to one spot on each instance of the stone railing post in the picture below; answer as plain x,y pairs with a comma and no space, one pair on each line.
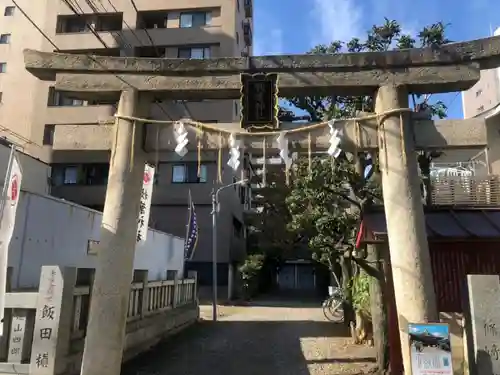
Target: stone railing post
51,336
194,275
175,295
142,276
406,228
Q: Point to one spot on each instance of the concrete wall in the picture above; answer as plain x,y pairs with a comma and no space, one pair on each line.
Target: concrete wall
170,200
52,231
35,172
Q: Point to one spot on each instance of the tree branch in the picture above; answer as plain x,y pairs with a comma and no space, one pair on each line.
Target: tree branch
346,197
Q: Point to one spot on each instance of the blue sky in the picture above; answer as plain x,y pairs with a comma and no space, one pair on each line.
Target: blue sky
294,26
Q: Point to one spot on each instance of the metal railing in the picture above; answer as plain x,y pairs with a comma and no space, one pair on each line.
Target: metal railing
465,190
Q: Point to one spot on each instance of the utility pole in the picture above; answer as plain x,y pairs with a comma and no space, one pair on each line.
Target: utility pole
215,211
409,249
214,254
105,337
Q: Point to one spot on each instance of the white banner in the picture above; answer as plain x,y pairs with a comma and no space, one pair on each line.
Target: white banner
13,180
145,205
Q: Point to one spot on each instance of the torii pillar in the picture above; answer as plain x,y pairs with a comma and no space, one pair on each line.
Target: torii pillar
105,338
406,230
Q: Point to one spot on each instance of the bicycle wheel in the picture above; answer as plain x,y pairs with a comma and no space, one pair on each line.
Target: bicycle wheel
333,311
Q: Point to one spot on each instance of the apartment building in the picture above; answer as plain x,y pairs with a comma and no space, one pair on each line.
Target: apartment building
58,129
485,94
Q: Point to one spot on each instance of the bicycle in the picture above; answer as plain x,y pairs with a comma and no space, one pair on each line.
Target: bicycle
333,305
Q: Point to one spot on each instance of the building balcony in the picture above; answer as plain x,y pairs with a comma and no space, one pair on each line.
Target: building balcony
87,40
208,35
86,195
88,127
163,194
82,137
90,114
248,7
247,32
153,5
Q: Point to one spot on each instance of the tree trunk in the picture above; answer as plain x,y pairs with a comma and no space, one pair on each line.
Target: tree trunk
379,309
347,272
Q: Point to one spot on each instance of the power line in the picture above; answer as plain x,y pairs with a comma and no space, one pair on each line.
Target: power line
87,55
183,102
145,30
96,10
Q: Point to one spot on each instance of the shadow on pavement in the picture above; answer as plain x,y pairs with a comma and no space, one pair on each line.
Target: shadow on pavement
254,348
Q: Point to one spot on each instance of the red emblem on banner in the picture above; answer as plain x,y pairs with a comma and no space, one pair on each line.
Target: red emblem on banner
14,189
147,177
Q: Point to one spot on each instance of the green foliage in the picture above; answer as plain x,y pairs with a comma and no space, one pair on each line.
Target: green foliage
317,201
319,208
379,38
361,293
319,204
250,270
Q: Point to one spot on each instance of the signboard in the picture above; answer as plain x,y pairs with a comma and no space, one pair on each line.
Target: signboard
430,349
145,205
259,101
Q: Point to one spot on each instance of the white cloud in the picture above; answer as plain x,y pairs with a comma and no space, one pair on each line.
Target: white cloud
336,20
269,43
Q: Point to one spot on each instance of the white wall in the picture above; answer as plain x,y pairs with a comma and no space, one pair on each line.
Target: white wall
35,172
51,231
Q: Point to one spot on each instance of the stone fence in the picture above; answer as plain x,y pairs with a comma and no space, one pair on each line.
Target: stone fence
44,330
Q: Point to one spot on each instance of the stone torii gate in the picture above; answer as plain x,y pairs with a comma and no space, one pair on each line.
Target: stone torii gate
390,76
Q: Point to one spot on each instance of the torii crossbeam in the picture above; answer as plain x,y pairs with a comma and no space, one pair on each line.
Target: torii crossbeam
389,76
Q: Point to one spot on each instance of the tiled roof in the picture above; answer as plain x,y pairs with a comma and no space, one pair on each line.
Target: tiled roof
445,223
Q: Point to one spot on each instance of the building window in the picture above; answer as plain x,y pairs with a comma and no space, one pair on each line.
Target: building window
5,39
48,135
9,11
195,19
194,53
67,175
1,97
82,174
238,5
188,173
479,92
73,24
237,38
58,99
3,67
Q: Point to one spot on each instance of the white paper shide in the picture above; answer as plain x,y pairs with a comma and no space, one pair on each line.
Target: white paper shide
145,205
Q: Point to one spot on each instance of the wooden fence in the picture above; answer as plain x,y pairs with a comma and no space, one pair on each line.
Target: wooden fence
44,328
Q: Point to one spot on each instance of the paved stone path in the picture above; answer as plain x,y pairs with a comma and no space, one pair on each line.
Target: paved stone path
260,339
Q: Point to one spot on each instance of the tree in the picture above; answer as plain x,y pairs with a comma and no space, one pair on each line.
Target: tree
317,201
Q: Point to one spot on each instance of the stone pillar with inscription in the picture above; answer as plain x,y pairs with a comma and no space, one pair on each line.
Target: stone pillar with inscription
52,331
21,331
482,324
